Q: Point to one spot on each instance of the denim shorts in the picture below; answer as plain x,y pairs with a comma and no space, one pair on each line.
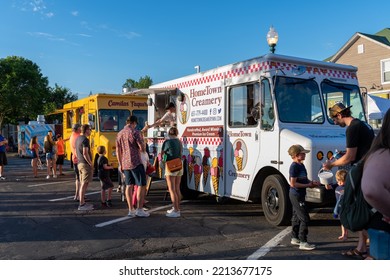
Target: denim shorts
136,176
50,156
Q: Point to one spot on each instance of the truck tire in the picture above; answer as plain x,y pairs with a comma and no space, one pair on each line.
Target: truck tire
275,202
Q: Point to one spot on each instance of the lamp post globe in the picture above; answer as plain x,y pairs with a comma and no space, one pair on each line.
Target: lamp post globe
272,38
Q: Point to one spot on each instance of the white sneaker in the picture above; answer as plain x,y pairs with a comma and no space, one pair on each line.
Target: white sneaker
2,178
54,176
131,213
173,214
141,213
170,210
85,207
295,241
306,246
48,177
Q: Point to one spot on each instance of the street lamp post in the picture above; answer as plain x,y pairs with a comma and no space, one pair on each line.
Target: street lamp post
272,38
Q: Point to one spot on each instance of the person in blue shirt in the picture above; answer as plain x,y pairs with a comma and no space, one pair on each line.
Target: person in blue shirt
298,184
341,175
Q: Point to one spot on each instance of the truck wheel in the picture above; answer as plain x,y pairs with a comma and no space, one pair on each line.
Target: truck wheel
275,202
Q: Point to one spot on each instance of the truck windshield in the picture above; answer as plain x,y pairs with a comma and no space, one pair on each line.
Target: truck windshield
347,94
112,120
298,100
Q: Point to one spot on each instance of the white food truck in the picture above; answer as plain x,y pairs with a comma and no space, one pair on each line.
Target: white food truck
236,123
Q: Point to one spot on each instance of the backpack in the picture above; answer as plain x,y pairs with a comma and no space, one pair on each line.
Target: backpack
355,212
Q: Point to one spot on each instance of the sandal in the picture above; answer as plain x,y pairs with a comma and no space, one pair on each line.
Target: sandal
355,253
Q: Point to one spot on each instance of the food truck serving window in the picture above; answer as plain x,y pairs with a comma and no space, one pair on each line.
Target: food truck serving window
112,120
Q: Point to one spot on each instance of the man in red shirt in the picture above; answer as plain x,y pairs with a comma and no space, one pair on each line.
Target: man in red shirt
129,145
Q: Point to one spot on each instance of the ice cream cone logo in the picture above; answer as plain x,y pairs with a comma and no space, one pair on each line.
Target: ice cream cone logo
239,155
184,109
206,165
160,163
191,162
215,175
197,174
184,116
220,163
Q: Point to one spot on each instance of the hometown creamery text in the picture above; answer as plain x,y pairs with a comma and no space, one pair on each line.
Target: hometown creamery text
201,97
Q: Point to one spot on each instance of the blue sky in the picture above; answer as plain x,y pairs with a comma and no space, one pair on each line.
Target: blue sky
95,45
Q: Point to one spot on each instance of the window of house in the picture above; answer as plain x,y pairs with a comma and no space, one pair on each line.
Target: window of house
385,69
360,48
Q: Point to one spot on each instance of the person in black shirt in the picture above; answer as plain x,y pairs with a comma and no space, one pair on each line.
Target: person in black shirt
298,184
104,177
359,136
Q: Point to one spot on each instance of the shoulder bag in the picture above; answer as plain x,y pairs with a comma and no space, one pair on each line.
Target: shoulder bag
174,165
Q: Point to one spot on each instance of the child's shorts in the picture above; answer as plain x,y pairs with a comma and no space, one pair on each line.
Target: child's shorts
106,183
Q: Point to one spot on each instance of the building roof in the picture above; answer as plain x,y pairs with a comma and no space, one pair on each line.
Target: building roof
382,37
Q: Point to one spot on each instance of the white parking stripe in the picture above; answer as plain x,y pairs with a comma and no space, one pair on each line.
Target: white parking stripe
261,252
71,197
50,183
127,217
270,244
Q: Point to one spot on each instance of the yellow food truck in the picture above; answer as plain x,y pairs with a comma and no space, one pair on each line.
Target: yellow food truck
106,114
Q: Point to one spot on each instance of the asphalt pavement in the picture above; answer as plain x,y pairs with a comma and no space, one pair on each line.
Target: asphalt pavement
40,221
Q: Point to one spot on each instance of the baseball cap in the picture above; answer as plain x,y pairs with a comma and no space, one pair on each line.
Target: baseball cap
76,126
297,149
337,108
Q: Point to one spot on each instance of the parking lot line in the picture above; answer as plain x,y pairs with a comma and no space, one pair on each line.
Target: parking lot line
261,252
126,218
50,183
71,197
270,244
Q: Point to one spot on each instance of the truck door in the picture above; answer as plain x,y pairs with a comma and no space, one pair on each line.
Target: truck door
269,138
242,136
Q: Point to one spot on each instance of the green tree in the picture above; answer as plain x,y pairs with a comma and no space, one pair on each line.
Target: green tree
143,82
23,90
58,97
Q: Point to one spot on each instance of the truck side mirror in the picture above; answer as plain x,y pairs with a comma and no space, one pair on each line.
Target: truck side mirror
149,101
